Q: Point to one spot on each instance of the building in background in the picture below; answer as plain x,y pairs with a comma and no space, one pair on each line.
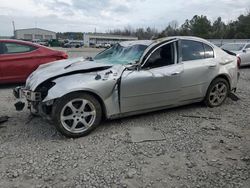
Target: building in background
97,39
33,34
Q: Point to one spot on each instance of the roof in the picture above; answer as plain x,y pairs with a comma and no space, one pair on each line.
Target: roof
182,37
149,42
34,29
198,39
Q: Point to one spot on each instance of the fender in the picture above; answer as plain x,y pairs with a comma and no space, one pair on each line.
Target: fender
104,84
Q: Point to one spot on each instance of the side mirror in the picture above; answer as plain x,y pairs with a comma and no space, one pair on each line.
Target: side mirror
244,51
138,66
135,66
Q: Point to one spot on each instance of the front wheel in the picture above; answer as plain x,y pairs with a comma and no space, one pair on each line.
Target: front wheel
77,114
217,92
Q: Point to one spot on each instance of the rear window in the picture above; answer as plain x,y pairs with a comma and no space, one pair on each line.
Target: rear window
11,48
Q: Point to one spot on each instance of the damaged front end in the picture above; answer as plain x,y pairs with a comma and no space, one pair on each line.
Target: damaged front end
20,93
33,99
50,82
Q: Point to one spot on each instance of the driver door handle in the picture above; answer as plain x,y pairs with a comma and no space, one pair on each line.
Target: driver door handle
212,66
175,73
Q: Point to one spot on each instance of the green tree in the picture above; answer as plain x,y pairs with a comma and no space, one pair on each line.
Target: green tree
243,26
200,26
186,28
218,29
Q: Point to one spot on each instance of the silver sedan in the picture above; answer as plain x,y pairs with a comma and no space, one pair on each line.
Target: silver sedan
242,50
129,78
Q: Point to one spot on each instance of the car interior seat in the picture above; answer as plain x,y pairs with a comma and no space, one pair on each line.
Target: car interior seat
166,57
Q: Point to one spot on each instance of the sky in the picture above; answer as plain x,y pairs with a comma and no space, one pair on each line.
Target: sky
104,15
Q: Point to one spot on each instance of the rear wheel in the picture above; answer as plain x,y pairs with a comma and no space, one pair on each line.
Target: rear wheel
217,92
77,114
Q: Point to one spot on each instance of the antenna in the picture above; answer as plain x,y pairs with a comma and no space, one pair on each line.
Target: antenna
14,28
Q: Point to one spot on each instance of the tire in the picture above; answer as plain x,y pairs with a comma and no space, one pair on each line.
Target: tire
76,114
217,92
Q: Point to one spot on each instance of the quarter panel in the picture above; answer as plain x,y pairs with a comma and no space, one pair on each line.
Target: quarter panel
197,76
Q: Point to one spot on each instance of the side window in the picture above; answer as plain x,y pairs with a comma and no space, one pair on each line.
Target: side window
209,52
163,56
192,50
10,48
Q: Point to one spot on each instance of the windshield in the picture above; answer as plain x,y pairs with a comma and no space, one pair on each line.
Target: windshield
120,54
233,47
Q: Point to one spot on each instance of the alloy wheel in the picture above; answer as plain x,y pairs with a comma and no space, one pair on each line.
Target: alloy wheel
78,115
218,94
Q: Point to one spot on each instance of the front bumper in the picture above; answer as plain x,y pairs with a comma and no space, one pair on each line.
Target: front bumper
31,96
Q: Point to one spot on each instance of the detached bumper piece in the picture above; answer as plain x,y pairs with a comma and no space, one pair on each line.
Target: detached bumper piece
233,96
19,105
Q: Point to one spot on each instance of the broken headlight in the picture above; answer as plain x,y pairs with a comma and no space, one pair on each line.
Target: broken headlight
44,88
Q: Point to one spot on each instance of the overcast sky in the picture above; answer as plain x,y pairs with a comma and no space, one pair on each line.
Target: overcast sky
86,15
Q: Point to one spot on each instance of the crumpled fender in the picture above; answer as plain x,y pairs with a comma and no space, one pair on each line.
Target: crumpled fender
103,84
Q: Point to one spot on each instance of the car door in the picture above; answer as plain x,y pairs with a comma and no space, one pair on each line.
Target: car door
199,69
16,61
156,84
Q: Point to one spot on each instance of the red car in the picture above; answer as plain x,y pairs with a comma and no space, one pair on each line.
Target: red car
18,59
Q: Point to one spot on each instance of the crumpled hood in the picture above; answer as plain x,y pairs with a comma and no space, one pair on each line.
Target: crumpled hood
60,68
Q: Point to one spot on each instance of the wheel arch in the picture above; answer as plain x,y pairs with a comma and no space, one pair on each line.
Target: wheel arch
220,76
225,77
99,99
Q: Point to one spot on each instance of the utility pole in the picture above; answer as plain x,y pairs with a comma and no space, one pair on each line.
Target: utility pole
14,28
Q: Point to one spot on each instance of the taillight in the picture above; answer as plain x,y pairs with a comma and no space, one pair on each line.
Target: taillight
61,55
238,62
65,56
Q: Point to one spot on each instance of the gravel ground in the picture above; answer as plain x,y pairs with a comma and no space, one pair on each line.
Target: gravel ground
180,151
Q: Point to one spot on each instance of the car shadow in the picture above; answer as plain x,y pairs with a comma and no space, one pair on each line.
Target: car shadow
245,67
178,109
